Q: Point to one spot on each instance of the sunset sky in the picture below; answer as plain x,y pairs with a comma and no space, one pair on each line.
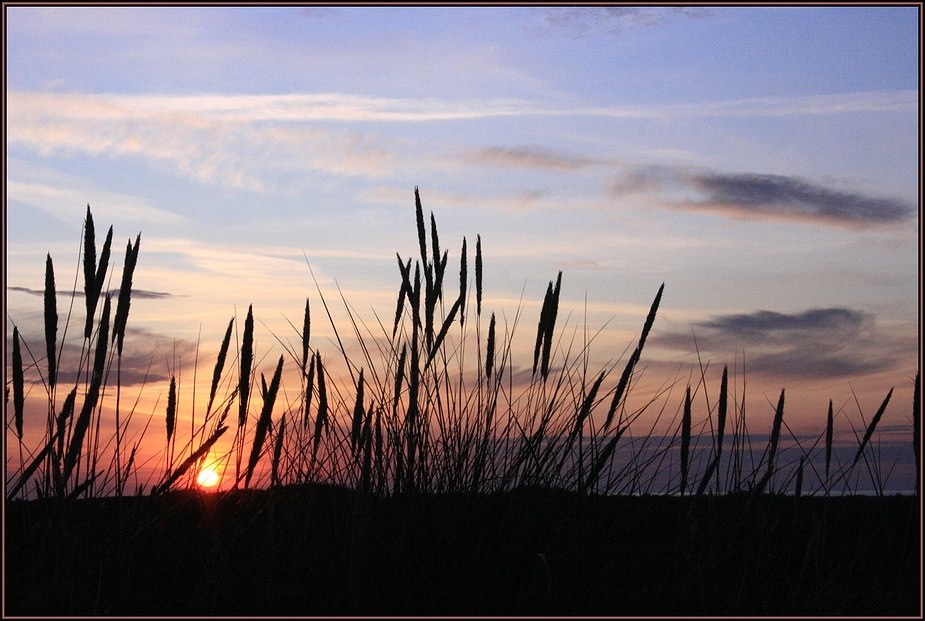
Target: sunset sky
762,162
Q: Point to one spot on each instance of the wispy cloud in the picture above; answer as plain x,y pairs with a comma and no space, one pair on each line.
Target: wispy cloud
581,22
300,107
253,142
817,343
532,157
66,202
805,105
28,106
756,196
237,149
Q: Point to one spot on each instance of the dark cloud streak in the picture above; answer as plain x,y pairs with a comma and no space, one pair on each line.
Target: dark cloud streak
789,197
763,322
760,197
816,343
136,293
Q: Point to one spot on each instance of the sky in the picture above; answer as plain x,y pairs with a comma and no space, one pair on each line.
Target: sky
761,162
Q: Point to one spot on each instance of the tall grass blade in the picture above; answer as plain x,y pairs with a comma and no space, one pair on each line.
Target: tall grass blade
89,261
463,282
358,412
772,444
101,269
18,385
550,326
411,416
490,348
427,267
93,275
685,439
586,406
916,432
541,327
306,333
309,388
634,358
219,365
478,275
51,321
621,388
650,318
403,291
721,426
414,296
721,417
277,452
422,235
90,291
378,440
399,376
247,361
128,467
125,293
171,407
829,433
871,427
263,423
67,411
321,421
439,265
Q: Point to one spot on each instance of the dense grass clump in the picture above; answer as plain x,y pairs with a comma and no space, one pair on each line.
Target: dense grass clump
429,474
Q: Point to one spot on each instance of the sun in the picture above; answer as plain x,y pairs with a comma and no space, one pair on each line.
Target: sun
207,478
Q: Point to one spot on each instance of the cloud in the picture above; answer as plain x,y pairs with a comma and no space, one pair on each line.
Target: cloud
803,105
144,357
769,322
817,343
109,206
28,107
254,142
298,107
581,22
531,157
136,293
790,198
227,141
763,197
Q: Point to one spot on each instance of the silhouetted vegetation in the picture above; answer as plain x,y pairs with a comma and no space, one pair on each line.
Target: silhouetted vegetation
442,480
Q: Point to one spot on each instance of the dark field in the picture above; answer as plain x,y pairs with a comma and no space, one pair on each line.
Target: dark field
323,550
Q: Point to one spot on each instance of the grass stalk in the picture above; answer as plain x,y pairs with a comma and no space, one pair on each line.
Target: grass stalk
772,444
263,423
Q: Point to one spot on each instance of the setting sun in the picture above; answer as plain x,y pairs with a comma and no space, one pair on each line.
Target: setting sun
207,478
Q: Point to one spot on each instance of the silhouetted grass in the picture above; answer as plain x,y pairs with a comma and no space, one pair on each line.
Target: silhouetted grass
438,479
